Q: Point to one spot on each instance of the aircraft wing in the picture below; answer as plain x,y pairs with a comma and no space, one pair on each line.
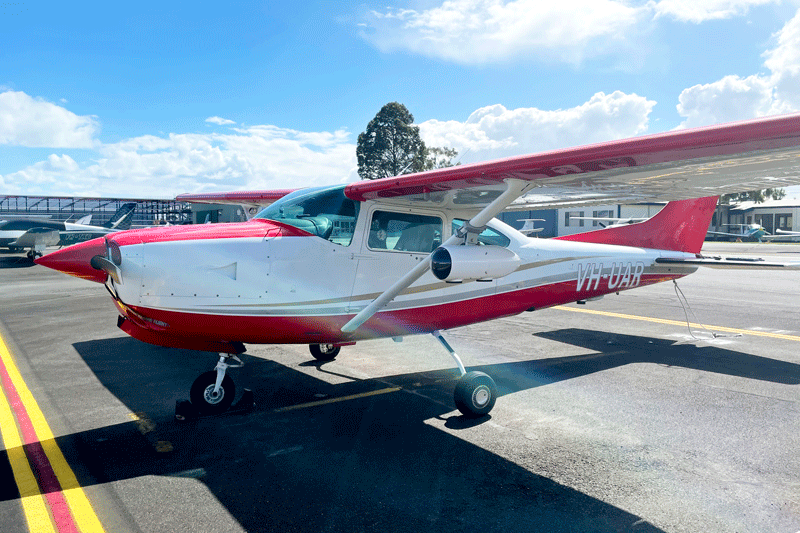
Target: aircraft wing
37,238
251,201
682,164
723,234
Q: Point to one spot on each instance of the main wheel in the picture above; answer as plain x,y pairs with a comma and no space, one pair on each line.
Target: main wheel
324,352
475,394
202,394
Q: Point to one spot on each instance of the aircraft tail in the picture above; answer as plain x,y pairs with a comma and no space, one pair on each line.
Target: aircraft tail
122,218
680,226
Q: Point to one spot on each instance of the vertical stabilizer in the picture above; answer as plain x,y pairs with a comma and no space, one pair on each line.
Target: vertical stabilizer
122,218
680,226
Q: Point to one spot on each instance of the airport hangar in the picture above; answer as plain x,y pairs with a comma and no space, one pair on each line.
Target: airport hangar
780,214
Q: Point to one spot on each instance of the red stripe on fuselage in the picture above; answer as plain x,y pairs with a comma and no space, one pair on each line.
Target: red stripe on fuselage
316,329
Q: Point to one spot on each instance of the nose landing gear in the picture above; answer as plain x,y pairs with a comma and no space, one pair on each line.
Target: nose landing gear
213,392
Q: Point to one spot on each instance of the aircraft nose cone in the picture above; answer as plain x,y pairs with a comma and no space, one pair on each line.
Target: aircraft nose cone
75,260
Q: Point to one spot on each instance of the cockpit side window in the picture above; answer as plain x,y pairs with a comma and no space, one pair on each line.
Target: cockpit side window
404,232
324,212
487,236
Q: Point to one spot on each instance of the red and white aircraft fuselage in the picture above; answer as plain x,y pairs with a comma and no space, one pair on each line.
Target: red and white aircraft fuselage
423,253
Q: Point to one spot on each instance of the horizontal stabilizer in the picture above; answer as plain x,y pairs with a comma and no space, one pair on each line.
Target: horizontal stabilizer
730,262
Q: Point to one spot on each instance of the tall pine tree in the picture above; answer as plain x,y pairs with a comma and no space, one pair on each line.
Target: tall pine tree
391,145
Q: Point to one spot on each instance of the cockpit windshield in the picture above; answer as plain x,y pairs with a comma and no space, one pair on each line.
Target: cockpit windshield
322,211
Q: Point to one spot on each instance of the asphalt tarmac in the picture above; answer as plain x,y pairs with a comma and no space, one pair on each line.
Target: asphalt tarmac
613,416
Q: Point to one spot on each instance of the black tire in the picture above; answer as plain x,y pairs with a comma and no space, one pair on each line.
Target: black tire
475,394
324,352
201,394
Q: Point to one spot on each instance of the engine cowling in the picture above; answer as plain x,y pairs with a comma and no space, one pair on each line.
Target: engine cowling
461,263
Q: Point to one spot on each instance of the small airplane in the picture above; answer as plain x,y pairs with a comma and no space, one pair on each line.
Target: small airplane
423,253
37,233
748,231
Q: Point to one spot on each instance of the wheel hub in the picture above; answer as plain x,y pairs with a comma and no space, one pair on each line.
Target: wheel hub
480,396
212,398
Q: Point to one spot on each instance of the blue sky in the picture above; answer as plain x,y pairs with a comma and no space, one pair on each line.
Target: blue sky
156,99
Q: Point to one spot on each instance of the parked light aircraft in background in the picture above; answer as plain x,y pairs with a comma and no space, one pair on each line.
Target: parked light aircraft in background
748,231
37,233
422,253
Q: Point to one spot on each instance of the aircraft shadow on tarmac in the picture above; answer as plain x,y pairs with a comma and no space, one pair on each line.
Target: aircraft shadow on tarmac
367,464
15,261
626,349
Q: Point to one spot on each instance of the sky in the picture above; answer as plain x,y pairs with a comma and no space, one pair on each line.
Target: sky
154,99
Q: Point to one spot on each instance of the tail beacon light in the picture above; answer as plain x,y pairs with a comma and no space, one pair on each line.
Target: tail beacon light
482,263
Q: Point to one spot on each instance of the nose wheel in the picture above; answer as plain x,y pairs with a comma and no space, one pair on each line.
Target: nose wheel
206,400
213,392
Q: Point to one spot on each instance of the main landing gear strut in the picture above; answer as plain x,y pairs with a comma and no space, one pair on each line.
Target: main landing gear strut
213,392
475,391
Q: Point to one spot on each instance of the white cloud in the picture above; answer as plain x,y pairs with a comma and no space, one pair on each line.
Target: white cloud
161,167
484,31
33,122
698,11
736,98
220,121
270,157
493,132
569,31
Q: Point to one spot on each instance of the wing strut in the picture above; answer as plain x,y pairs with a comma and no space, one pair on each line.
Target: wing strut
514,189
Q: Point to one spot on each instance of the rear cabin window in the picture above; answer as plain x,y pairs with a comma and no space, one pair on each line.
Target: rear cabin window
404,232
487,236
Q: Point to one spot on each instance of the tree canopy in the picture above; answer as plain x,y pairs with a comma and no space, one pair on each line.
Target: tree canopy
757,196
391,146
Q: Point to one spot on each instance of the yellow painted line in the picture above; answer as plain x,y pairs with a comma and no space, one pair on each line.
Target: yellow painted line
335,400
37,513
782,336
82,511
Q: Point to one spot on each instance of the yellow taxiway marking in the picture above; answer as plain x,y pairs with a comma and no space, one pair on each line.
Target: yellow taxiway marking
82,511
782,336
335,400
33,503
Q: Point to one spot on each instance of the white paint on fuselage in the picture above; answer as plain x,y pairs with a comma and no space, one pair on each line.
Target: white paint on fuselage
295,276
